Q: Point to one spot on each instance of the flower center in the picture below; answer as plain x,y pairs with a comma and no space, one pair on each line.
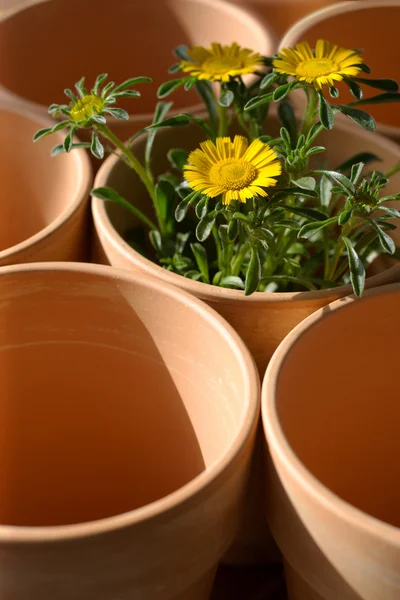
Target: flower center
86,107
316,67
233,174
222,64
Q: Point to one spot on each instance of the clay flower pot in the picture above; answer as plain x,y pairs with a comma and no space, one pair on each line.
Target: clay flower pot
282,14
134,38
128,413
367,24
262,319
44,201
331,410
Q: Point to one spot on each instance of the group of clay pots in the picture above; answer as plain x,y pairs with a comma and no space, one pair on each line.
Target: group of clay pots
133,458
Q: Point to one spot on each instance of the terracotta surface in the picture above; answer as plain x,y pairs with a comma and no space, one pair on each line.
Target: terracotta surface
139,40
263,319
44,200
282,14
367,24
331,413
125,446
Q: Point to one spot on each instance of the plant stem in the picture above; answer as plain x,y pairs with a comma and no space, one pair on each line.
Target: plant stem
338,251
222,126
218,247
131,159
240,256
310,112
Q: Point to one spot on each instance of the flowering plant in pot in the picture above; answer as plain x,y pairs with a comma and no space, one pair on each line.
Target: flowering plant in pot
255,211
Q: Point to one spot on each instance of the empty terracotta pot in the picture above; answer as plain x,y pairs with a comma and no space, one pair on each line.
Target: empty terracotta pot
44,201
367,24
128,411
330,408
282,14
262,319
139,39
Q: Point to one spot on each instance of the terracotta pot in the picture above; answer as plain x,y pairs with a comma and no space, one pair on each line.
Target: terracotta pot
44,200
140,39
364,24
282,14
331,412
123,475
263,319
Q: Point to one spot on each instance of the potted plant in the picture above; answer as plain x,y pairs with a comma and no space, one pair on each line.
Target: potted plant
256,224
45,214
125,445
330,413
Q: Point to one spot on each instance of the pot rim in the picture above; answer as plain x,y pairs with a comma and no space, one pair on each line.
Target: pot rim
83,176
208,477
207,291
279,445
262,33
295,34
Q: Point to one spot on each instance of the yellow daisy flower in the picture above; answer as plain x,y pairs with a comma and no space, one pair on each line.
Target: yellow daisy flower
234,170
220,63
86,107
328,64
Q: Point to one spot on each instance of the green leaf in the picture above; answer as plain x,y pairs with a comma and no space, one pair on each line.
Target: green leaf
388,85
70,94
107,89
178,157
355,172
285,135
118,113
160,112
357,271
181,241
126,94
168,87
165,199
253,273
325,187
288,119
232,282
133,81
98,82
354,88
268,80
315,150
200,255
313,133
226,98
233,230
343,181
108,194
205,91
79,86
189,83
386,242
156,240
181,52
183,206
393,212
306,183
258,101
310,229
295,191
364,157
379,99
96,146
282,91
68,141
326,113
177,121
202,207
334,92
358,116
345,217
98,119
42,133
195,275
59,149
205,226
309,213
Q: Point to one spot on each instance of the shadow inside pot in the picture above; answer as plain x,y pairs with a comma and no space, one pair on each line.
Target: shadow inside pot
92,423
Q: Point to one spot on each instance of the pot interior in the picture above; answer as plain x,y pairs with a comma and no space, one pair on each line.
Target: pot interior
367,29
338,403
69,39
35,188
113,395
